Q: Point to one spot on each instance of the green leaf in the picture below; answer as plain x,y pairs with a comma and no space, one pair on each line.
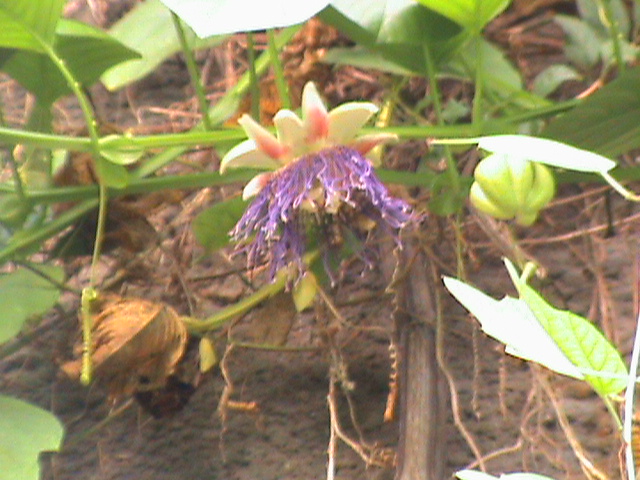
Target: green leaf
229,16
471,14
398,29
552,77
26,430
534,330
87,51
208,355
511,322
24,294
607,122
304,292
148,29
123,155
583,44
112,174
581,342
363,58
546,151
212,226
29,24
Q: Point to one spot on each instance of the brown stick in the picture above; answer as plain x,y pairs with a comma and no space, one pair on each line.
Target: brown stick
421,449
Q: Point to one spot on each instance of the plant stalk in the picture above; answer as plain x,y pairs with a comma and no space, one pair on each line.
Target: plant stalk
193,72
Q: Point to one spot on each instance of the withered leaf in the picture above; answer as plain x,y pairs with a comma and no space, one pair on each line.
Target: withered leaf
136,345
270,324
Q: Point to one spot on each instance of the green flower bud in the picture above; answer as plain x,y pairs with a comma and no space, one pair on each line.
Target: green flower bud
511,187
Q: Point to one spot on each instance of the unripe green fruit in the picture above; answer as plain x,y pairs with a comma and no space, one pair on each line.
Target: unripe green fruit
483,203
511,187
544,188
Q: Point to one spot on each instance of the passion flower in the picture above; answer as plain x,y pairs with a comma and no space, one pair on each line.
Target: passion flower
509,187
321,183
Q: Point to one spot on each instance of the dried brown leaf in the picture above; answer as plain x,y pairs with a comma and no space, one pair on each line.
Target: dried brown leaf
136,345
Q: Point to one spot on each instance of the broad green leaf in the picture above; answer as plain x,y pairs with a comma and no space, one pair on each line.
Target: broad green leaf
29,24
208,18
511,322
212,226
398,29
87,51
148,29
26,430
471,14
581,342
607,122
552,77
534,330
547,151
24,294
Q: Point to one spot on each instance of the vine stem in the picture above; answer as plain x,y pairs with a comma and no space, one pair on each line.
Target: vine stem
452,169
92,128
278,70
618,187
610,22
192,68
254,88
89,293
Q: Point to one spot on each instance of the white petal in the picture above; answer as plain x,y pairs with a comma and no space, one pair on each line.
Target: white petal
346,120
247,155
263,139
290,128
365,143
254,186
314,113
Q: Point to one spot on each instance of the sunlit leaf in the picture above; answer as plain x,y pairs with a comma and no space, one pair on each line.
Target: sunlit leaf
26,430
581,342
212,226
546,151
87,52
558,339
148,29
607,122
511,322
29,24
24,294
398,29
472,14
208,18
